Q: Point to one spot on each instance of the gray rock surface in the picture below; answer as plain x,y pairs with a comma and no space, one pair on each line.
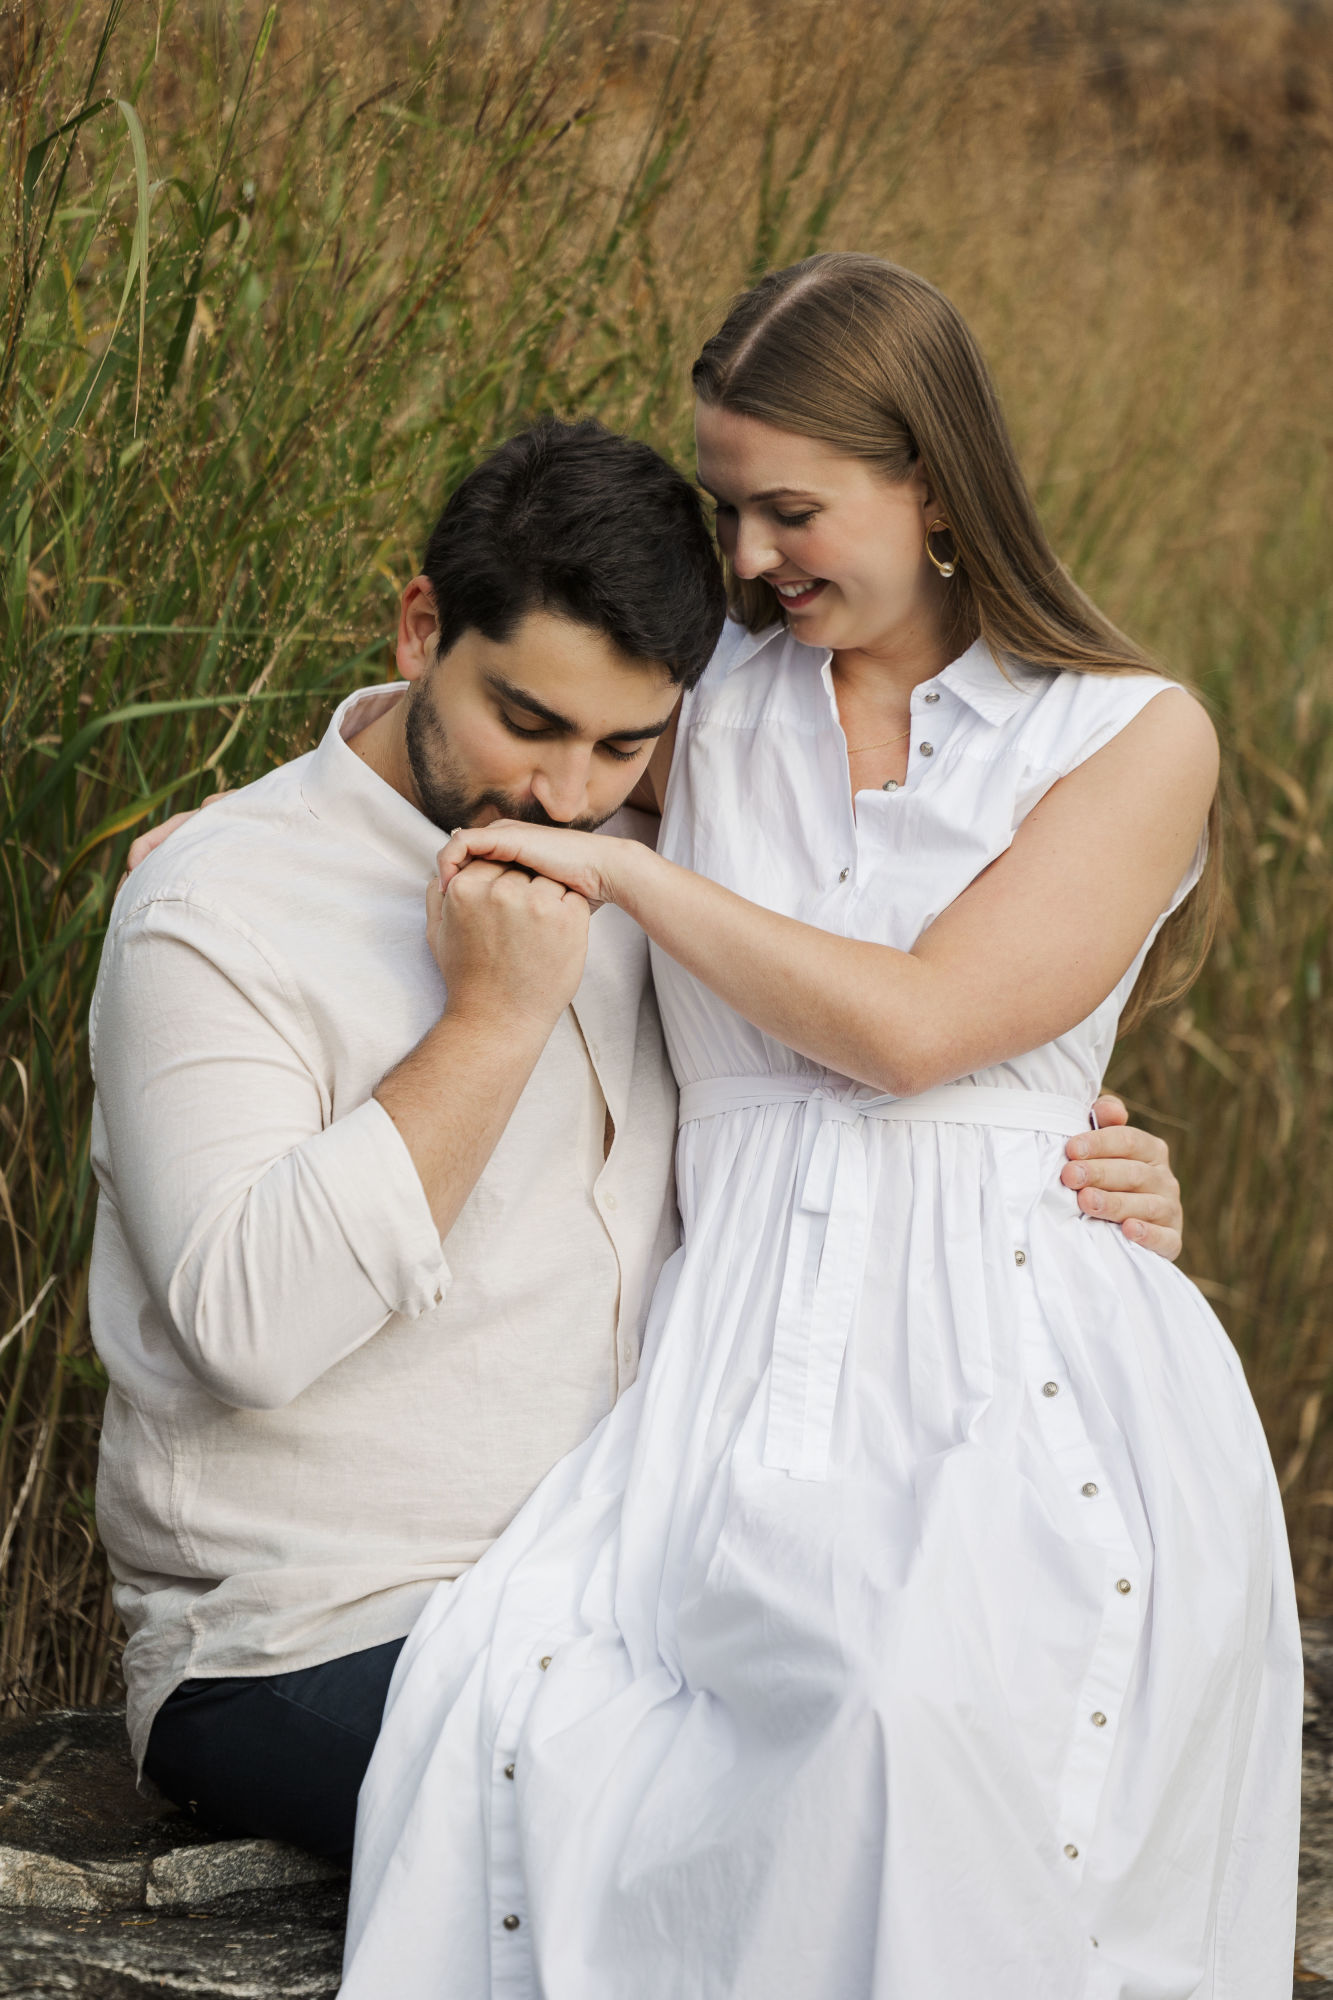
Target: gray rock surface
109,1895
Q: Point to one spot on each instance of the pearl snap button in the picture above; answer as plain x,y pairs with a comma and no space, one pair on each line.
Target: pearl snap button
890,785
927,749
1124,1586
511,1923
934,695
1098,1719
1089,1491
1050,1388
544,1662
1072,1851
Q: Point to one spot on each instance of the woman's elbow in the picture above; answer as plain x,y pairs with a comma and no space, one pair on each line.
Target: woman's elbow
915,1062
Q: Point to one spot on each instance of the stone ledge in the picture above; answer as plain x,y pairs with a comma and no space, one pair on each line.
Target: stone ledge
285,1945
108,1895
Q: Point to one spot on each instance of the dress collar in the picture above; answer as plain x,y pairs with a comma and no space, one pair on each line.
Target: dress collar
991,691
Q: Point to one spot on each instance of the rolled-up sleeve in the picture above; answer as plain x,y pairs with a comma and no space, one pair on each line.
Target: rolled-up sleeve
274,1235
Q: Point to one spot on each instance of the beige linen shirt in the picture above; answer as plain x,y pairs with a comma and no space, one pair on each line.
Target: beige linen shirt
317,1410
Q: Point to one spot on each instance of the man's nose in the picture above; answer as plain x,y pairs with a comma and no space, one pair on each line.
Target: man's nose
561,788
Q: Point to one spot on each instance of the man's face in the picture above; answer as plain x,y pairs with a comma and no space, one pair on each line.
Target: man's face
552,725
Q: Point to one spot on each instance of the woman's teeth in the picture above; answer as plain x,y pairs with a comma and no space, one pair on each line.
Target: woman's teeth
792,593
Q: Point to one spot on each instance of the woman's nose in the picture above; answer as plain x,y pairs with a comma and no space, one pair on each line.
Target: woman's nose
752,550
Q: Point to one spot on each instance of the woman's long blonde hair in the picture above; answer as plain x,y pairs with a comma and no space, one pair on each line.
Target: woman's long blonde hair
874,361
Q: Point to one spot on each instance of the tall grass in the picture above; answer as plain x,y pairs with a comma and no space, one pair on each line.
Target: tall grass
275,279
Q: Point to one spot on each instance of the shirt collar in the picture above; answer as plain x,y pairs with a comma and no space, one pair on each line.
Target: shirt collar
340,787
991,691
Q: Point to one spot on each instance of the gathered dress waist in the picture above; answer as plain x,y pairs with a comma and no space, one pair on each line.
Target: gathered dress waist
830,1226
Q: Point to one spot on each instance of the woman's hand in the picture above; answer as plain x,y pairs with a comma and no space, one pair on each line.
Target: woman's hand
1124,1176
596,865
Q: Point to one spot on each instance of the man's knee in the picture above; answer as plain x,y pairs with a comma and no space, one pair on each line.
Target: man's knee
280,1756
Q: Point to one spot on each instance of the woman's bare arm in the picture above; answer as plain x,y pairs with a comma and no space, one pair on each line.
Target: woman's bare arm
1028,951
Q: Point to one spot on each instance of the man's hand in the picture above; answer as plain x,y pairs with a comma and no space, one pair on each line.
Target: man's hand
511,947
1124,1176
508,943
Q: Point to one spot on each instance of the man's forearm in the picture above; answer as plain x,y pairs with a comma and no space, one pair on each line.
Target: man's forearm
452,1097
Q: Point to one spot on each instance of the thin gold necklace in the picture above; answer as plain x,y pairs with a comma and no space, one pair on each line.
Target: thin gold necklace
881,746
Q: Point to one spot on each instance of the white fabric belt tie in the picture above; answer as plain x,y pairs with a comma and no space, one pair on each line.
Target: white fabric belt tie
826,1249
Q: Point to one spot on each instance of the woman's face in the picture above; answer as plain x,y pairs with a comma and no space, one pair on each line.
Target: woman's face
844,548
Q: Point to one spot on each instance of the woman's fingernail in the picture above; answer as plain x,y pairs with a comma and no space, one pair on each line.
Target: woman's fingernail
1077,1176
1136,1230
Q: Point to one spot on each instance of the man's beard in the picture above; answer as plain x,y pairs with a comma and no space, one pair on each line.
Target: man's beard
441,792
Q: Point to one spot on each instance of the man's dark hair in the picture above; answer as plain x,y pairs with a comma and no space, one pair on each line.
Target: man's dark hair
572,519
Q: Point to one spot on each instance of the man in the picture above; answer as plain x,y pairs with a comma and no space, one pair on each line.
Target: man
382,1203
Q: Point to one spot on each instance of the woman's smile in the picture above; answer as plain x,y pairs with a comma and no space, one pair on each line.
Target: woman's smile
795,596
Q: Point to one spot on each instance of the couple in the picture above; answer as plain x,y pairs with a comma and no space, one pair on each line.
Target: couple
919,1621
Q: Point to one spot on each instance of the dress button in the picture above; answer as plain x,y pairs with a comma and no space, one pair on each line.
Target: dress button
844,874
511,1923
1070,1850
1090,1491
608,1200
934,695
890,785
439,1297
544,1662
1098,1719
927,749
509,1770
1020,1257
1124,1586
1050,1388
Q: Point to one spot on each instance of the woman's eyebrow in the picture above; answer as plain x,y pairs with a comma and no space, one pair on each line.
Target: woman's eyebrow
769,493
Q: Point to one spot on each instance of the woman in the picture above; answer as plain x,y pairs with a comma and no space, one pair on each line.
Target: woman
921,1624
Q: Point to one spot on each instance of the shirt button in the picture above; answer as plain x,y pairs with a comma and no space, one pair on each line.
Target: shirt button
1070,1850
1089,1491
1020,1256
1098,1719
1050,1388
1124,1586
509,1770
511,1922
544,1662
608,1199
934,695
439,1297
845,873
927,749
890,785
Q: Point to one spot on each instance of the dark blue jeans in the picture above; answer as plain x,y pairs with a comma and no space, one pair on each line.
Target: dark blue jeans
279,1755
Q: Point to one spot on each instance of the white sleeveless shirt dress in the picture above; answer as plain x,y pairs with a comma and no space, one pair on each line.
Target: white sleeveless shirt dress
920,1625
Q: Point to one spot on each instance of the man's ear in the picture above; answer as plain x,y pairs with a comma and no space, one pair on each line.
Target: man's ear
418,629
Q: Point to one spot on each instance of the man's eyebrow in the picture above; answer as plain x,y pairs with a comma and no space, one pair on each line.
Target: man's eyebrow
522,699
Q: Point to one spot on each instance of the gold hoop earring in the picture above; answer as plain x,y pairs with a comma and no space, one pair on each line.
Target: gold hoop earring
944,568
